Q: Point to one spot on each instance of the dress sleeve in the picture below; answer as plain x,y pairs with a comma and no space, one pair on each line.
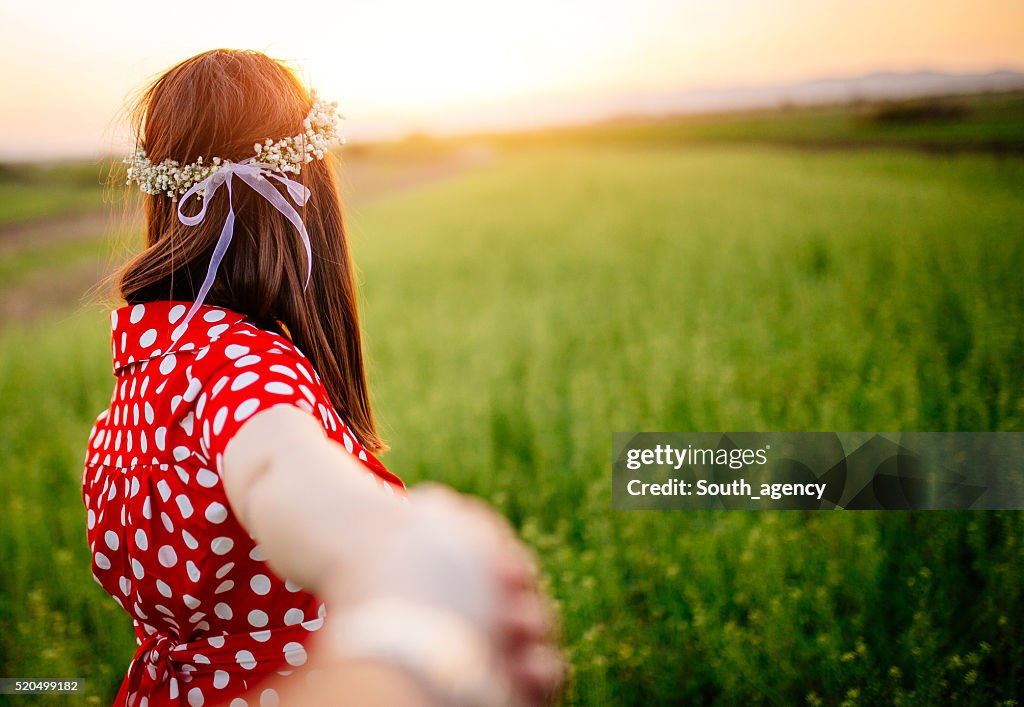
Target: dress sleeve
246,385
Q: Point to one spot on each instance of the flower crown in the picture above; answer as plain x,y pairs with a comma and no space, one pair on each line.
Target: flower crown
285,155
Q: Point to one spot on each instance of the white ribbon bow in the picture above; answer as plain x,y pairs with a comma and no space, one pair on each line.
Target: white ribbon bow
254,174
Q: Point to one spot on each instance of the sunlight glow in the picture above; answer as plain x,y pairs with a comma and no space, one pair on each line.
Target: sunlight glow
401,66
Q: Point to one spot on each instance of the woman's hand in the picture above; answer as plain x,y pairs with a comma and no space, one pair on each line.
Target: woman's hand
454,555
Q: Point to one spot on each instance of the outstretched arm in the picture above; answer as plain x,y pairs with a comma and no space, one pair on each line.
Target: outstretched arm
443,560
300,493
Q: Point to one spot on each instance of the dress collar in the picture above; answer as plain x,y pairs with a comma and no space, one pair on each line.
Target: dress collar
143,331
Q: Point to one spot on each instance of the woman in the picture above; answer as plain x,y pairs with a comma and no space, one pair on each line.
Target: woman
226,483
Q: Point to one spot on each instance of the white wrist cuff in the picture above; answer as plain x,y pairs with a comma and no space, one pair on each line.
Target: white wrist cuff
453,658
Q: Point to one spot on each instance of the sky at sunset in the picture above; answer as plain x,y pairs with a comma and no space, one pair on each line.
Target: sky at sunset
68,67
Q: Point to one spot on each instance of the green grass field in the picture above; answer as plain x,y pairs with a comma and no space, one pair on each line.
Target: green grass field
29,192
519,314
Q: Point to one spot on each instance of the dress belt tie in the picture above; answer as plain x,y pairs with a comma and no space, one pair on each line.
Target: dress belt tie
150,666
161,657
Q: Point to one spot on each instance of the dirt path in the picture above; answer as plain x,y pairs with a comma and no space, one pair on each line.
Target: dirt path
363,180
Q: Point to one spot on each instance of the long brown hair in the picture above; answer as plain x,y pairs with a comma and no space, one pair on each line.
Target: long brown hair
220,103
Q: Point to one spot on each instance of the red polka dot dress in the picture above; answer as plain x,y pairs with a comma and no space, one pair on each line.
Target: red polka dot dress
211,618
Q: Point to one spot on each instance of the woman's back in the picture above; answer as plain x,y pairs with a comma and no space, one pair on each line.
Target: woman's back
165,542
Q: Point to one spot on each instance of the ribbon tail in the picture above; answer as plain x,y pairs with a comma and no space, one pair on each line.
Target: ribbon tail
211,272
281,204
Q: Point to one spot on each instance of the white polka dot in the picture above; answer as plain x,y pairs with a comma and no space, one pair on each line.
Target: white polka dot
195,697
167,521
278,368
260,584
102,561
233,351
214,315
92,519
189,539
206,478
141,540
225,569
292,586
192,570
238,702
220,679
167,364
184,505
258,618
147,338
247,361
246,409
160,437
167,556
125,585
175,313
163,588
220,385
245,659
226,586
216,641
194,386
279,388
269,698
219,419
137,569
164,488
246,378
223,611
137,312
313,625
187,423
216,331
190,601
260,636
293,616
294,653
257,553
110,537
135,484
216,512
222,545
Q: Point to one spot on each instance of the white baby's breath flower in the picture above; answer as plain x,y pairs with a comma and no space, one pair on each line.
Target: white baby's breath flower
287,155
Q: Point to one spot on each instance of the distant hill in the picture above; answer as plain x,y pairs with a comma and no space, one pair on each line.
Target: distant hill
574,109
870,87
